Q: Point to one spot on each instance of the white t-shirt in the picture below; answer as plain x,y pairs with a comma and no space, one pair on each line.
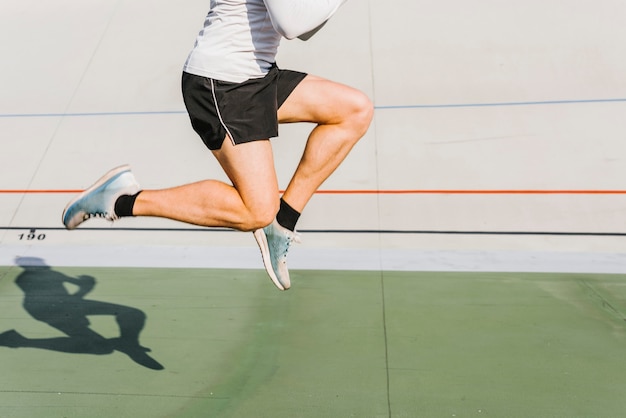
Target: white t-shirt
240,38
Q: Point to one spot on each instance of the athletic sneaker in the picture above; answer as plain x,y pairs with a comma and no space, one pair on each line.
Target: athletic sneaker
99,199
274,241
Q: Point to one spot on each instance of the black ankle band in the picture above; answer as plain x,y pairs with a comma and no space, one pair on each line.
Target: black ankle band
124,204
287,216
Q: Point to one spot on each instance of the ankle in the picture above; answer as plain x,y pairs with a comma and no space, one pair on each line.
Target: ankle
124,205
287,217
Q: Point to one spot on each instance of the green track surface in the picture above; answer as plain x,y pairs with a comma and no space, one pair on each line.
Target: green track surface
339,344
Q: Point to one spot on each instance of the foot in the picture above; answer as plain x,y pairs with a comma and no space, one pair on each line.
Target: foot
136,352
274,242
99,199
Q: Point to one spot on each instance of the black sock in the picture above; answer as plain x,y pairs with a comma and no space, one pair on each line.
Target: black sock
287,216
124,204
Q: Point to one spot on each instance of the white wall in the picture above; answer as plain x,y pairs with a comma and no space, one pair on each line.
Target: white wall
470,96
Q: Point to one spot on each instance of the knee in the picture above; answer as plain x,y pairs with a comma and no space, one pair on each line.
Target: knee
260,217
133,317
361,113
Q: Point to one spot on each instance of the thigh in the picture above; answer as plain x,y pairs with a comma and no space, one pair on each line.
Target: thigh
250,168
318,100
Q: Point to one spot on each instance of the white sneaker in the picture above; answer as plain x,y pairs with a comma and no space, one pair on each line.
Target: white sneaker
99,199
274,241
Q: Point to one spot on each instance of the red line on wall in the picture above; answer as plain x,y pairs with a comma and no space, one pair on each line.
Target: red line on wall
442,191
386,192
39,191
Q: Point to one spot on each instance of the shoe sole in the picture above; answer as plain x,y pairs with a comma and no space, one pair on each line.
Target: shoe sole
261,239
108,176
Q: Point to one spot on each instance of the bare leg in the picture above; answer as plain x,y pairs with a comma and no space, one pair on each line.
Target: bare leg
342,115
250,203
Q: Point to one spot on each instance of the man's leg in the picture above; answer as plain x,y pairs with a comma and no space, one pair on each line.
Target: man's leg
342,115
250,203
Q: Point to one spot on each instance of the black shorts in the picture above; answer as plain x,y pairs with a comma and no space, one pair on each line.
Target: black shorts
245,111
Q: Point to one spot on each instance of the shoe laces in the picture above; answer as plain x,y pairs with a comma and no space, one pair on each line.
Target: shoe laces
104,215
293,237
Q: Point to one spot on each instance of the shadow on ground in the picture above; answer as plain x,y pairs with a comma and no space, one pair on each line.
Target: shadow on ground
47,300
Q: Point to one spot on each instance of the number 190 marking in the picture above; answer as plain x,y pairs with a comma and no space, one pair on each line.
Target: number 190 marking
32,236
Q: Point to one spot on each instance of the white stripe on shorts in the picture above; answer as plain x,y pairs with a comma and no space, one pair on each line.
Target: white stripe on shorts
219,114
